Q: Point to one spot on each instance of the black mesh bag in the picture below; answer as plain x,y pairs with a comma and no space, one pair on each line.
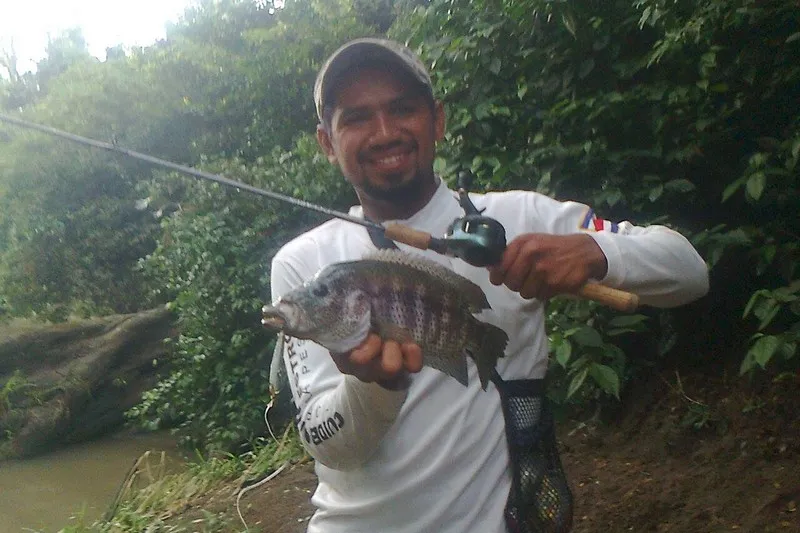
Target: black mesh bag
540,500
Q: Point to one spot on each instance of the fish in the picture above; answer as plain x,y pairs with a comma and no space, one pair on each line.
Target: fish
400,296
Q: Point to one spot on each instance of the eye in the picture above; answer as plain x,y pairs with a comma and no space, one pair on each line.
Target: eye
403,108
354,117
320,291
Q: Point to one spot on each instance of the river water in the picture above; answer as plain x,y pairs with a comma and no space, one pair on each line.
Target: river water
43,493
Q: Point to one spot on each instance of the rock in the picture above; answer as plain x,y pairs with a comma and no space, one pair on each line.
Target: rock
66,383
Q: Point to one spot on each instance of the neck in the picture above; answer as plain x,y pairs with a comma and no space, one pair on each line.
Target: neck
381,210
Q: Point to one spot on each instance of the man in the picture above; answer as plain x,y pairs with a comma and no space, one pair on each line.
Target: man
400,447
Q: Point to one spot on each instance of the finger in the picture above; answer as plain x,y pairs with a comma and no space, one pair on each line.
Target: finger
523,267
391,358
532,287
343,363
497,273
412,357
367,350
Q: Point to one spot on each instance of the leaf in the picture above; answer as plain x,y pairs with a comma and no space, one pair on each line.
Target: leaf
620,331
587,336
577,381
655,192
792,38
627,320
613,197
569,23
748,363
645,16
606,377
755,185
732,188
680,185
753,299
600,43
495,65
563,353
764,348
587,65
767,313
788,349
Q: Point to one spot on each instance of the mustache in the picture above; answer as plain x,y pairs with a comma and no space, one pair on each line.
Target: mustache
378,148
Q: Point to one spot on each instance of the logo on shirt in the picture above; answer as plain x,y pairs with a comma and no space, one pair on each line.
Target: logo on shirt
592,222
324,430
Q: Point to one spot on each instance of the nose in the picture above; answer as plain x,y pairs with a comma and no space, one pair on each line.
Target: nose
383,128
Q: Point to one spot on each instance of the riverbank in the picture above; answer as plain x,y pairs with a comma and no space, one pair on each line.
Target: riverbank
684,453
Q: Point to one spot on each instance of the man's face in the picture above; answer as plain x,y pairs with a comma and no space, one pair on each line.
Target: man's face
382,135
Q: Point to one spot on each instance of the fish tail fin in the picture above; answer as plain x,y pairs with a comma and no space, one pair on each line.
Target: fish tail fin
490,346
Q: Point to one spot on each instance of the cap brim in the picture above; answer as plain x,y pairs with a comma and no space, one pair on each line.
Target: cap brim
351,56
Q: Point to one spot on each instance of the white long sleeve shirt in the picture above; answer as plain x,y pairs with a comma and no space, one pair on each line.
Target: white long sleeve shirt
433,458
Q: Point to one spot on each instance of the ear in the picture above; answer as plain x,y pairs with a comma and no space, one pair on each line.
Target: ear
324,140
439,120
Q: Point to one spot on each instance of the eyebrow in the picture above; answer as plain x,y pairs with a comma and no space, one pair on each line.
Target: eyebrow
403,99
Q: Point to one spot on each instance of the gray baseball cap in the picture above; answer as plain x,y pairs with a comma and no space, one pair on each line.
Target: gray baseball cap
357,51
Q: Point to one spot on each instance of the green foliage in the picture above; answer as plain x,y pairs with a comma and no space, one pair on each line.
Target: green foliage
767,305
678,113
69,225
234,81
213,265
587,362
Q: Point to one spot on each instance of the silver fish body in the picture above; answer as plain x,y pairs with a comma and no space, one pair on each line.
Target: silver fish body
400,296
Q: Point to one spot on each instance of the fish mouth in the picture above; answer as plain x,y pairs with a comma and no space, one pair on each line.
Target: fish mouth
274,316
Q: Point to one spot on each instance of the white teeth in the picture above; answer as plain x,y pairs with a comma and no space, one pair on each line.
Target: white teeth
393,160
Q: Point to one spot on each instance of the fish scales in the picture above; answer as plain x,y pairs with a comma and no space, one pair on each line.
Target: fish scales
402,297
400,304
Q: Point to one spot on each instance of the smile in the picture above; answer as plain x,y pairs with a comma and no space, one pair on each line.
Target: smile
391,162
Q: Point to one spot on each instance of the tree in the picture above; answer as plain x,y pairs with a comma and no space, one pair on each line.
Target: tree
16,90
66,49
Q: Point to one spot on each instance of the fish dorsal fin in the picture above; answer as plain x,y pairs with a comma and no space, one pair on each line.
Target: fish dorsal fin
472,293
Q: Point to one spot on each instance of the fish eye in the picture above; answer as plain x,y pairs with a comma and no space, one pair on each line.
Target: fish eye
320,291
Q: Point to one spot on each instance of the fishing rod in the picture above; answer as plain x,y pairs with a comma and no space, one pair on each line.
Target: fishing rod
476,239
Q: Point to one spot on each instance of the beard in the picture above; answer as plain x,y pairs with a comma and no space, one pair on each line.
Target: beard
399,191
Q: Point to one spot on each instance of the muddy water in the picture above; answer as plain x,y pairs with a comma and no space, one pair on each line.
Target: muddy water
43,493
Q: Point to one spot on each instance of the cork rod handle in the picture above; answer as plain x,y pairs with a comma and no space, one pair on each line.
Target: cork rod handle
613,298
410,236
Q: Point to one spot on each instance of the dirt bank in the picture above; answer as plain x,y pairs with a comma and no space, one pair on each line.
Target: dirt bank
691,454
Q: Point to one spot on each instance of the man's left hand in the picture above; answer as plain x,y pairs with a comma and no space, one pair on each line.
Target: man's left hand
539,265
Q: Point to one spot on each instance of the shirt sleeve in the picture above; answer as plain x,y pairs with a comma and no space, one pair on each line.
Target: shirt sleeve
655,262
341,419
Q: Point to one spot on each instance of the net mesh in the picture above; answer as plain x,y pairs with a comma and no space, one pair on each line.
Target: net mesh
540,500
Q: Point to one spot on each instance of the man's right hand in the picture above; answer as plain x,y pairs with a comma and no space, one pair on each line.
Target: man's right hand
379,361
